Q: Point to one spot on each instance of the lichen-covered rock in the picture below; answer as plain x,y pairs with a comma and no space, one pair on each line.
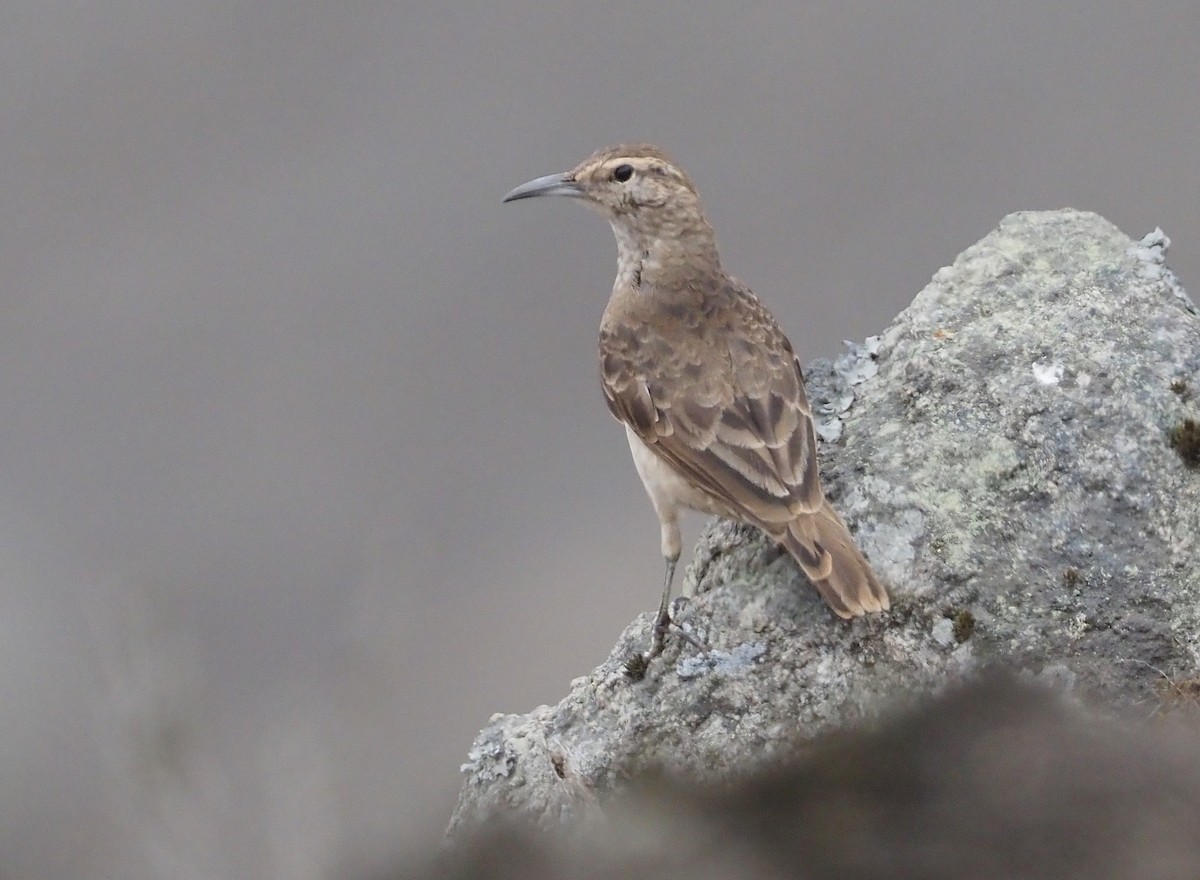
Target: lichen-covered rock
1004,455
993,780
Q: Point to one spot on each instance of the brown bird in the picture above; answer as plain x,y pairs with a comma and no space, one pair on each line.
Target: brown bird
706,384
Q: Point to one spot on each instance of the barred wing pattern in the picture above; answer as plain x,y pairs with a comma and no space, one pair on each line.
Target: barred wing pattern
724,403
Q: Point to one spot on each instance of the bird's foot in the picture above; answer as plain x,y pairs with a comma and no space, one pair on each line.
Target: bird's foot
637,664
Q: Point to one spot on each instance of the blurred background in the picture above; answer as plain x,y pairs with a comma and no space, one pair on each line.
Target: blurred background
304,468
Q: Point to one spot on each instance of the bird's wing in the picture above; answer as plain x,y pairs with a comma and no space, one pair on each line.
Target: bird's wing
725,407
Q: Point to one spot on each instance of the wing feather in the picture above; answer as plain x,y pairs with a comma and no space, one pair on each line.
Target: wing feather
723,402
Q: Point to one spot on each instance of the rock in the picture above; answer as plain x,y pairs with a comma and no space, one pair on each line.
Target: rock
1004,457
993,780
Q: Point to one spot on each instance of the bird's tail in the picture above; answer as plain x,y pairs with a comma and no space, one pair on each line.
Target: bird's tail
827,554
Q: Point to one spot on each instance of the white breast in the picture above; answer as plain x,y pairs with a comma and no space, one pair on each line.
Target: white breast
667,490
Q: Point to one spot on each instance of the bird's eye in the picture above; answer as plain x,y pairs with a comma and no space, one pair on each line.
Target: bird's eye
622,173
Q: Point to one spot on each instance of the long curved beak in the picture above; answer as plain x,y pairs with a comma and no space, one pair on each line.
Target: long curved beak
550,185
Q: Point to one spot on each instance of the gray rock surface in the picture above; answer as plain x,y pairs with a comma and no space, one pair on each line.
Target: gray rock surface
1002,454
997,779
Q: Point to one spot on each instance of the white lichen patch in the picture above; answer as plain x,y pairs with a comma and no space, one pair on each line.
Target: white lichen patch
943,632
1047,374
1151,251
724,662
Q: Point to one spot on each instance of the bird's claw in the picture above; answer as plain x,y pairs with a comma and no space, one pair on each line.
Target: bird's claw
637,664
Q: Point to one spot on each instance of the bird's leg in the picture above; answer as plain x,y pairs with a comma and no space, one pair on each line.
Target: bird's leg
637,664
672,546
662,621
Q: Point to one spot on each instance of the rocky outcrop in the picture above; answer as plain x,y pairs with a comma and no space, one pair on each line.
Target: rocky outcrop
1012,455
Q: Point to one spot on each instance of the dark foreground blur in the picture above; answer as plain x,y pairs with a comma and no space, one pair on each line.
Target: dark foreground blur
997,779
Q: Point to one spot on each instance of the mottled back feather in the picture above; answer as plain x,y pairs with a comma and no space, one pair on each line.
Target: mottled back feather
719,394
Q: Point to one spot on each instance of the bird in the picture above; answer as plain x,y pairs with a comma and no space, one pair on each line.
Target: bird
705,382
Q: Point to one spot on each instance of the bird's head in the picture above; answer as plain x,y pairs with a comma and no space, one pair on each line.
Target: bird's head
648,199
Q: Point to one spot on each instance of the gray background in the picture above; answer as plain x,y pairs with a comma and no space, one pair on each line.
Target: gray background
304,470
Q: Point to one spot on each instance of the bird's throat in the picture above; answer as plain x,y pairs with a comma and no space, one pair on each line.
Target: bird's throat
655,260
